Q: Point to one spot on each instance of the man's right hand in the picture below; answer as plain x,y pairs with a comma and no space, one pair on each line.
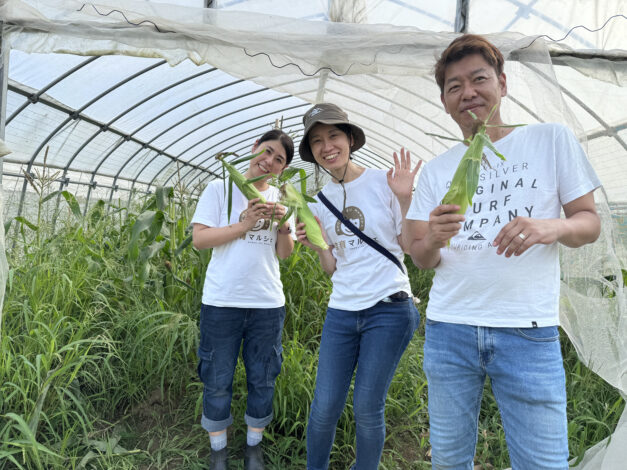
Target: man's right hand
444,224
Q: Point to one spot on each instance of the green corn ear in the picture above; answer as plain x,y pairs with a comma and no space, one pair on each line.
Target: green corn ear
247,187
293,199
466,177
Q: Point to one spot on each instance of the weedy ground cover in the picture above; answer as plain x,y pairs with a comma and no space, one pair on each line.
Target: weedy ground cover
98,363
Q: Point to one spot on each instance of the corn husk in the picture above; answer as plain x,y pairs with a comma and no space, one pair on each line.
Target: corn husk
246,186
466,178
297,201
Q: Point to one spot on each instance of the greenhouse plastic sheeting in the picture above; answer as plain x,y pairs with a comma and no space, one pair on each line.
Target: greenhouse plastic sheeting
122,117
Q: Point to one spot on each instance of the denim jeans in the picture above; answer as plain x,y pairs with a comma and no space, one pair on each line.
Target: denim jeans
222,330
528,381
374,340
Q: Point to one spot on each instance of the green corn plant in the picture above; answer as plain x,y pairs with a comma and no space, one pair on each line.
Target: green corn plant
466,177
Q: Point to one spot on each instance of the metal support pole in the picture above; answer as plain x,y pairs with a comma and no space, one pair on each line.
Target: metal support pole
4,79
461,17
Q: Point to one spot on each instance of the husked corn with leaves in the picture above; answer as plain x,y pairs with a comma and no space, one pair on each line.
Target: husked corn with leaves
466,177
247,187
298,202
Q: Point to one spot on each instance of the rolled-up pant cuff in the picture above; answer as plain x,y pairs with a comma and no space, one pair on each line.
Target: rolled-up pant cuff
214,426
258,422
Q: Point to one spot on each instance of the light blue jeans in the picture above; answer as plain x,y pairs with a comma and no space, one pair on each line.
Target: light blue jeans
528,381
373,340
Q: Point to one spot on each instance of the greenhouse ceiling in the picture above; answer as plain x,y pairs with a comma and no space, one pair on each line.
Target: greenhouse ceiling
118,96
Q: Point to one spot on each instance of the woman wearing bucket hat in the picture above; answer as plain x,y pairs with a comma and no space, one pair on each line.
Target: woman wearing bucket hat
371,316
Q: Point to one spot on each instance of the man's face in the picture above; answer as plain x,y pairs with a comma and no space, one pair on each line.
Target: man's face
472,84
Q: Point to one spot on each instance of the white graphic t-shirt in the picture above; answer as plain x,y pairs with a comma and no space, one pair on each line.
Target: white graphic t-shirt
243,273
363,276
545,169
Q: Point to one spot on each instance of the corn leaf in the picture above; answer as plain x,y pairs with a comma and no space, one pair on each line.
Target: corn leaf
230,200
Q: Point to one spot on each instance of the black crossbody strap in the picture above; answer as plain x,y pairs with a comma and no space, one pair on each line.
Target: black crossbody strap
359,233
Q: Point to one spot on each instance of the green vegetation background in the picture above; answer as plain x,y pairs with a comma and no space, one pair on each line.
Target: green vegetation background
99,337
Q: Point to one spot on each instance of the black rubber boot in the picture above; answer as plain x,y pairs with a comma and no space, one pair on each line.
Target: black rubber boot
253,458
219,460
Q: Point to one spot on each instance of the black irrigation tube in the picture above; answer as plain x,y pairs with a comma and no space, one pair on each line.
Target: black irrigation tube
62,181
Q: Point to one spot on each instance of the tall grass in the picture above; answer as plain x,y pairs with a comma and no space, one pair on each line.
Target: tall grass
98,364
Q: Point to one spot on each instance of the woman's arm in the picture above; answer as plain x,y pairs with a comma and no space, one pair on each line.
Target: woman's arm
284,242
401,182
327,260
204,237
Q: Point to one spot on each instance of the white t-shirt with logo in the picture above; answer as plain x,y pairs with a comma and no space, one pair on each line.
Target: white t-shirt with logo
545,169
363,276
243,273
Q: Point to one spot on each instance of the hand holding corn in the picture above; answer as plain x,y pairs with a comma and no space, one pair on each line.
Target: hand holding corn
312,231
255,212
301,235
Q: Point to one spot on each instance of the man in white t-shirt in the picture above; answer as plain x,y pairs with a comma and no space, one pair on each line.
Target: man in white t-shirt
493,308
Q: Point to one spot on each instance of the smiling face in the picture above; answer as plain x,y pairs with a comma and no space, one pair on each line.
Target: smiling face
330,146
273,160
472,84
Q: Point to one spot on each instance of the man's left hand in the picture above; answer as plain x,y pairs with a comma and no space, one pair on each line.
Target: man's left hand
523,232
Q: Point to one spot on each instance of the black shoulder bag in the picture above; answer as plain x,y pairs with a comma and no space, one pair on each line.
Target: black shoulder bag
359,233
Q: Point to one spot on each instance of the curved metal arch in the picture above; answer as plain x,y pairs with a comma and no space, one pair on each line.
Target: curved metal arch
105,127
123,166
248,130
235,125
127,137
233,99
388,100
34,98
76,115
609,129
411,139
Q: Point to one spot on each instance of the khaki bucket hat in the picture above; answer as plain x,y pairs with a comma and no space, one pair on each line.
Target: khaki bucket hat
327,113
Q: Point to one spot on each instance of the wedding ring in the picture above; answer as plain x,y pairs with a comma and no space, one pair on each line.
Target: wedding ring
522,236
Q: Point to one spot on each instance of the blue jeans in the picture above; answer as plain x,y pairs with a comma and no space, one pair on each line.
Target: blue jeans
374,340
222,330
528,381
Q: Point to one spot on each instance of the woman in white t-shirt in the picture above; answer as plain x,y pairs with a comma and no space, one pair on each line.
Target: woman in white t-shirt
242,298
371,315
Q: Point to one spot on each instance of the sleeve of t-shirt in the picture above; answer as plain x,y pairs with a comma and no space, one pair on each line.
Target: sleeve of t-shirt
209,207
575,175
422,202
